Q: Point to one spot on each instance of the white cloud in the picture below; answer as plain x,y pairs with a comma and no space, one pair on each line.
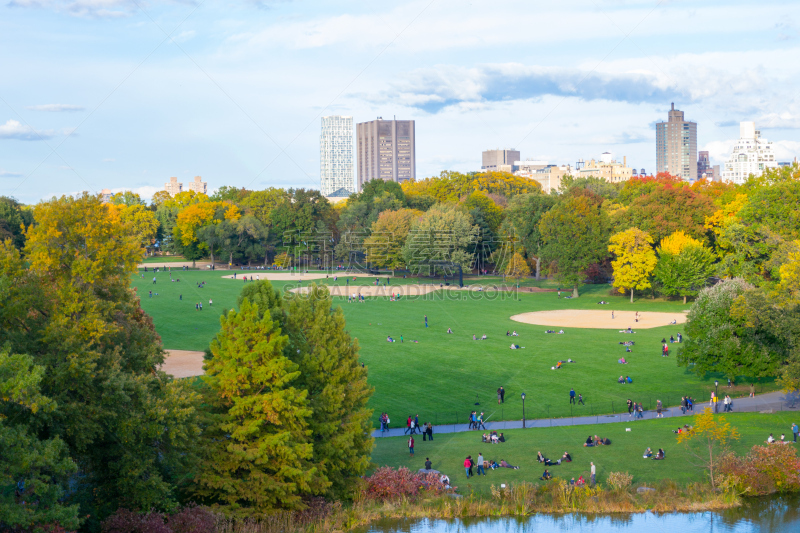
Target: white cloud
8,174
82,8
13,129
55,107
786,150
184,36
108,160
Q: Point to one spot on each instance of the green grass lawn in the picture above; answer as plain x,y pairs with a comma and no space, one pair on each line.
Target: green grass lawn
164,259
441,376
447,451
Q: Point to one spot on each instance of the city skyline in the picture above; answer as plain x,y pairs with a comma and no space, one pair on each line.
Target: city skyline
122,95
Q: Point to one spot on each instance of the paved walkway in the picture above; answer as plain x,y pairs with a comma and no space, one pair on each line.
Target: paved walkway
771,401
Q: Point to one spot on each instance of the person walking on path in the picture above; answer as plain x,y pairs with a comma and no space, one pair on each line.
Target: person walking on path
594,472
426,321
467,463
641,412
572,396
690,403
727,401
480,464
683,404
408,425
429,429
659,406
412,427
795,431
480,424
416,424
630,406
411,446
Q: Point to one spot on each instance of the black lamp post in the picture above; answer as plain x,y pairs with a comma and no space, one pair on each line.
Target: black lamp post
716,388
523,410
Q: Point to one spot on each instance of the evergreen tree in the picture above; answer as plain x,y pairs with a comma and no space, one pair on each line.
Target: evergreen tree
255,440
337,389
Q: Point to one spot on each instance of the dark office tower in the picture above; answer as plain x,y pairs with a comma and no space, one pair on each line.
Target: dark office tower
676,146
385,151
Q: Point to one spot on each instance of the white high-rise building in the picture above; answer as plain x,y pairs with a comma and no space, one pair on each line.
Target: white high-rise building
751,155
336,155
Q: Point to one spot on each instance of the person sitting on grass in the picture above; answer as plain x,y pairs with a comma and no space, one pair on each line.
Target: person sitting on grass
539,457
647,454
589,442
558,365
494,438
770,439
660,455
546,476
504,464
501,438
515,334
621,380
508,333
628,349
561,332
566,458
572,481
449,330
484,337
629,379
493,465
550,331
389,339
581,482
622,361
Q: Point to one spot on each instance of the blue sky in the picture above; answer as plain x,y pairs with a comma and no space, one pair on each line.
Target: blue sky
125,94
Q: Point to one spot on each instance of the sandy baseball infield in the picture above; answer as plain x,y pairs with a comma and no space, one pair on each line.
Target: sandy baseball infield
183,363
575,318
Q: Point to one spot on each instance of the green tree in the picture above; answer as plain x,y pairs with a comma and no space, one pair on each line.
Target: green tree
14,218
732,343
255,440
75,314
524,213
575,235
635,259
685,273
337,387
444,234
38,469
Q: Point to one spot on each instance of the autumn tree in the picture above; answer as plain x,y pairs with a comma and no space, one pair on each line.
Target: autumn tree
338,393
635,260
684,265
575,235
669,208
255,442
708,440
517,268
72,310
14,219
384,247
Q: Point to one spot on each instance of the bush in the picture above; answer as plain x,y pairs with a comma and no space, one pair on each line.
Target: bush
125,521
619,480
764,470
387,483
191,519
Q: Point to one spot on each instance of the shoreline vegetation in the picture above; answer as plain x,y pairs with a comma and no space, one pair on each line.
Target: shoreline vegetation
520,500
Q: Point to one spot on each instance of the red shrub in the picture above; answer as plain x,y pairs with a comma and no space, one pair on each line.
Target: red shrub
387,483
192,519
766,469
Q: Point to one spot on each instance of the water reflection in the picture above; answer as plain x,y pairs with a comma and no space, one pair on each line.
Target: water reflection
764,515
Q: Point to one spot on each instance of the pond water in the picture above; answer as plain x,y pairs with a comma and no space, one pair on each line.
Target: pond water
768,515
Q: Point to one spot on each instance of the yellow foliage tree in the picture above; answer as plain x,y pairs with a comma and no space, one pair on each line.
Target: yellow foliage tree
725,216
675,243
788,289
193,218
517,268
635,260
708,440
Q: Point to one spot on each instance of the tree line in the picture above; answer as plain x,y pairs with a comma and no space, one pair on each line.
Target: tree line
89,424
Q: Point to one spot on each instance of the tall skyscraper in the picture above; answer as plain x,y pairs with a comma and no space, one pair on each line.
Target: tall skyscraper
386,151
751,155
499,160
336,155
676,146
